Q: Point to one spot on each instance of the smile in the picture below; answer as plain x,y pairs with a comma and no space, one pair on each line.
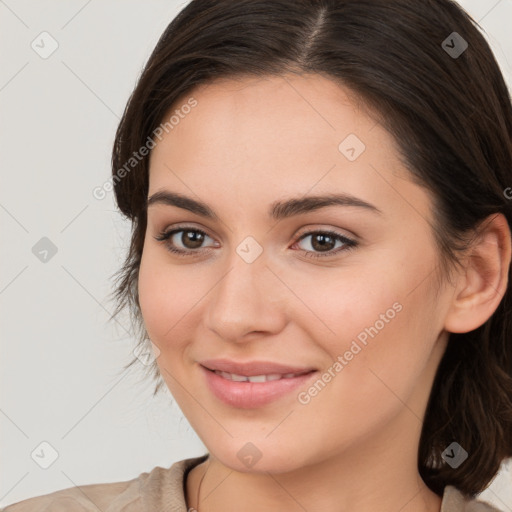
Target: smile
257,378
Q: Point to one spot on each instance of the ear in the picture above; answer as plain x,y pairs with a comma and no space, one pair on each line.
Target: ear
483,283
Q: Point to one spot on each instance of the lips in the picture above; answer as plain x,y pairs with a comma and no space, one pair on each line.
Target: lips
245,393
257,378
255,368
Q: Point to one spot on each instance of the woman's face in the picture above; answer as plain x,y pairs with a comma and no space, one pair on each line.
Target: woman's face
282,284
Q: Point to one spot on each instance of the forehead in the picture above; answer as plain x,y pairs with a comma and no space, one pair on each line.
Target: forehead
279,136
268,123
294,107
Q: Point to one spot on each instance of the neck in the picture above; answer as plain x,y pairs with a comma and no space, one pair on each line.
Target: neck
361,480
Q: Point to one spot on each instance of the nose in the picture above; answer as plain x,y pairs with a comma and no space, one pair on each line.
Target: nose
247,300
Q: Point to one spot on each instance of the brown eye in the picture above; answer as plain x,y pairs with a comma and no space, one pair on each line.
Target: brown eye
192,239
184,241
321,242
324,243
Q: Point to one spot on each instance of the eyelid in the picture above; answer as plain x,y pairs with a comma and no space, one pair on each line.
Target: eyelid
165,234
348,242
184,227
305,230
318,228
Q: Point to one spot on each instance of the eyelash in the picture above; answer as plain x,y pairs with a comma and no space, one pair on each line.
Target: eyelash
349,244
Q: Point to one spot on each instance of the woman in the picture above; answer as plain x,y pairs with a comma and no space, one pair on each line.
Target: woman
321,207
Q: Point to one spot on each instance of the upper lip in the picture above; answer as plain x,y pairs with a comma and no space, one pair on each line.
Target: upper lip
252,368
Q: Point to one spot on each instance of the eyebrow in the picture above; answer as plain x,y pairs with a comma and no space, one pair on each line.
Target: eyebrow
278,210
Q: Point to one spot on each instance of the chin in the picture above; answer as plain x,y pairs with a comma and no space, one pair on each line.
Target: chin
248,457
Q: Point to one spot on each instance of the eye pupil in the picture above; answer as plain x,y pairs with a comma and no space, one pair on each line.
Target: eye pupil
192,239
323,242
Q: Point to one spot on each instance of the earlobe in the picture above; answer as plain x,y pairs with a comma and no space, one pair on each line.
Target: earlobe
482,286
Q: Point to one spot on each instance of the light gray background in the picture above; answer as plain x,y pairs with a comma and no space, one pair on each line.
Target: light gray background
61,361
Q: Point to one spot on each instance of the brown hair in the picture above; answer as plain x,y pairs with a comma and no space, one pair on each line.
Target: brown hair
451,117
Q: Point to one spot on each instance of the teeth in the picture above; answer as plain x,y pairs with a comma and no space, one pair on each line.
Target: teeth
255,378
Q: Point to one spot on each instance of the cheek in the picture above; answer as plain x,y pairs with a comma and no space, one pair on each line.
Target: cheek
167,297
381,322
374,368
160,295
151,297
353,302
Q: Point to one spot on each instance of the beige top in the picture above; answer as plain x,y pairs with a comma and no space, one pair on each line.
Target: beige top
162,490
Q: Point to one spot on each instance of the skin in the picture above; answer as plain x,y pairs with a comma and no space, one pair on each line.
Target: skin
248,143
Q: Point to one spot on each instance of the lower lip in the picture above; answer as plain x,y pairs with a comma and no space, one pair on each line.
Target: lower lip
249,395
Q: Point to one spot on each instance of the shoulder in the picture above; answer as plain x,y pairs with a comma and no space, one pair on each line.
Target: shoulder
150,491
455,501
83,498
